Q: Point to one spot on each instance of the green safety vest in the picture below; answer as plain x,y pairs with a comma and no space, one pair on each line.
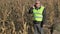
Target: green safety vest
37,14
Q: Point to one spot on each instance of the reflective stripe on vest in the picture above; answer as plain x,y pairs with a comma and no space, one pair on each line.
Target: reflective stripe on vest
38,14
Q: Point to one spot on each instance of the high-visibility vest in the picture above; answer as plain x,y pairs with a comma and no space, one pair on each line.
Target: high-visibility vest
37,14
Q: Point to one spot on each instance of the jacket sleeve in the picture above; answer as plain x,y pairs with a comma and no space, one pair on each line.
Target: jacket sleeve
44,15
30,10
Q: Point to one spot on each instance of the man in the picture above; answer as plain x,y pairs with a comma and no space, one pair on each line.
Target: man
38,12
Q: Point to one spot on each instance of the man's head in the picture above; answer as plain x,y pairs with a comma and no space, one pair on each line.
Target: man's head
37,3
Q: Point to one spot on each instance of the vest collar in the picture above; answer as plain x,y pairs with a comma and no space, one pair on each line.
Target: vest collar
36,7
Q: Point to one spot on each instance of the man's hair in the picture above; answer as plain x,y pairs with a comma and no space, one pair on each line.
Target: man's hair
37,1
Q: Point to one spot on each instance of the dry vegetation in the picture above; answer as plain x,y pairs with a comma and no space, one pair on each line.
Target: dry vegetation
14,17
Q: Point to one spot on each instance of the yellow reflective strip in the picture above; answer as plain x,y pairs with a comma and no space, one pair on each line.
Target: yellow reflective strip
38,19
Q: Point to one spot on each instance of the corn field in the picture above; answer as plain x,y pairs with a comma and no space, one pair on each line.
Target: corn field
14,17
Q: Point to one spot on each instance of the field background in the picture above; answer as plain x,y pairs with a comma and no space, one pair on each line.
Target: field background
14,17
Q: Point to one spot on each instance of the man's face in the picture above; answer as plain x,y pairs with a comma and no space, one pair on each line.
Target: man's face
37,4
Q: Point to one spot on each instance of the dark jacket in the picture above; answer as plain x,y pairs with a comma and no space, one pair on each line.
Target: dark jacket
44,12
